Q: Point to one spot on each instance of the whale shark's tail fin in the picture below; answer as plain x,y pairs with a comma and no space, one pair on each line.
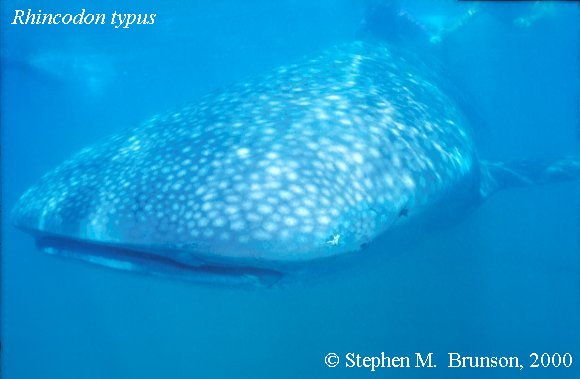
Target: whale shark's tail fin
500,175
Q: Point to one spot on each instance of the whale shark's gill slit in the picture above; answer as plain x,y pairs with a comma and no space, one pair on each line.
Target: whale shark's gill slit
121,258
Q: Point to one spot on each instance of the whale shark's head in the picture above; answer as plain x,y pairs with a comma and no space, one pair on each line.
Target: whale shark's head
309,162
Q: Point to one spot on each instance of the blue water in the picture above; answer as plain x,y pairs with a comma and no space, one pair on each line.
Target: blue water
505,280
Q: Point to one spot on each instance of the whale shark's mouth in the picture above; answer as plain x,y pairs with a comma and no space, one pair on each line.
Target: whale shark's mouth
122,258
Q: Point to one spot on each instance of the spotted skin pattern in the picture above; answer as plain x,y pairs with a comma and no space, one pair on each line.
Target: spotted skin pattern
313,160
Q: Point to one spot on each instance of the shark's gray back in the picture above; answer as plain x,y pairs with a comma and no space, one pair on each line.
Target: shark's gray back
313,160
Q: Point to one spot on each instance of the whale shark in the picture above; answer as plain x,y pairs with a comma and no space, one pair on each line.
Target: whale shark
312,161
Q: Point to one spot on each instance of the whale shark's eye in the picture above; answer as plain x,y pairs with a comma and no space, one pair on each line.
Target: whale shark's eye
404,212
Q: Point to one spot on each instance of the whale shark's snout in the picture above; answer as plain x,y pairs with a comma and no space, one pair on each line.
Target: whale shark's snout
234,272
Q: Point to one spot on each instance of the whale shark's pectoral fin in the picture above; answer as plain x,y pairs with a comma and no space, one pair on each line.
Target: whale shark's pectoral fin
499,175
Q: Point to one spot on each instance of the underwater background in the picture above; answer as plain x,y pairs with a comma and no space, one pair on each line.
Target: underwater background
505,280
